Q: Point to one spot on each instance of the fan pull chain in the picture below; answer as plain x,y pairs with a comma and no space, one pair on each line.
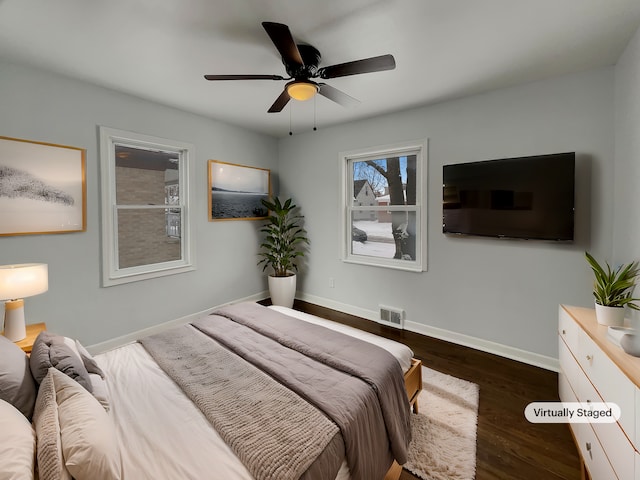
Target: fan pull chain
290,130
315,116
315,98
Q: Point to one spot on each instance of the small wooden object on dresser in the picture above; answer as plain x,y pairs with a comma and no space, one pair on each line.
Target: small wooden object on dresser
594,369
33,329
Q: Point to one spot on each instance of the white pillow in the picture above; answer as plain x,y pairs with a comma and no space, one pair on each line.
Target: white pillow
18,446
89,444
100,390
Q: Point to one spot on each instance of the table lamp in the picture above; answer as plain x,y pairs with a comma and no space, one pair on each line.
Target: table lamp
16,283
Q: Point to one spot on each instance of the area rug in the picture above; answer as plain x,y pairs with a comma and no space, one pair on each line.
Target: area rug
443,445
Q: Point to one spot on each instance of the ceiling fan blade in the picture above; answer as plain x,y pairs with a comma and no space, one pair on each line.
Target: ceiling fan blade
244,77
283,40
366,65
337,96
280,102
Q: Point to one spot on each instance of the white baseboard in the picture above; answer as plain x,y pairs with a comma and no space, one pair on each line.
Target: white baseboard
134,336
341,307
524,356
499,349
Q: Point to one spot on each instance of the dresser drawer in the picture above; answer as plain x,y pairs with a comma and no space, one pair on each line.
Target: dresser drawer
568,330
619,450
565,390
569,372
636,436
592,453
612,385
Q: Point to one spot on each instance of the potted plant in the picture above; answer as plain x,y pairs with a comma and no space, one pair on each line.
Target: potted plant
612,290
283,244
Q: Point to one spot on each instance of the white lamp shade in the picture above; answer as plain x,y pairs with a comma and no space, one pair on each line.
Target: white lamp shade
23,280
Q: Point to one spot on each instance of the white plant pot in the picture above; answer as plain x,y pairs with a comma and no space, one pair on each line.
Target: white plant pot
610,316
282,290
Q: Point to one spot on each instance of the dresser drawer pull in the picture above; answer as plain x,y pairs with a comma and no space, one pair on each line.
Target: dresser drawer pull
588,446
564,332
589,357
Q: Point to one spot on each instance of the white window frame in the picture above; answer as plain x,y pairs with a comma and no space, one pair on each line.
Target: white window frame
417,147
112,274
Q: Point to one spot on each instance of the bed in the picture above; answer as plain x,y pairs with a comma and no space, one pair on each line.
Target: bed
184,444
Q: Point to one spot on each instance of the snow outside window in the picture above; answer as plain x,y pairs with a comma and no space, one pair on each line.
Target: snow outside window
383,204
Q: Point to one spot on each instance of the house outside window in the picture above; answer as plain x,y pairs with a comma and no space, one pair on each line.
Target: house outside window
384,206
145,206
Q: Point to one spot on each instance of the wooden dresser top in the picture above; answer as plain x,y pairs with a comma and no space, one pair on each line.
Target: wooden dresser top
586,318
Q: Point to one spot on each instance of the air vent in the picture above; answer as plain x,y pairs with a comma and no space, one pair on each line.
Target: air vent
392,316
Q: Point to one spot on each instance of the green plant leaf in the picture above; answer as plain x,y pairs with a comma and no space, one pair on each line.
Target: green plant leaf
614,287
283,237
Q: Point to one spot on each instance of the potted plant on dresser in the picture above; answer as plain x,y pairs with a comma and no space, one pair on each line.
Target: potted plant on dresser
612,290
283,244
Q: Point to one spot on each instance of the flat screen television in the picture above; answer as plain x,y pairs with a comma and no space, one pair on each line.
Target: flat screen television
526,197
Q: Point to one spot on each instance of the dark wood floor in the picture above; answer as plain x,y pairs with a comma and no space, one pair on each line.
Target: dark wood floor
508,446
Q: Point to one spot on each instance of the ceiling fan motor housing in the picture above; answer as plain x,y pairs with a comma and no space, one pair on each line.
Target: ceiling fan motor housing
311,58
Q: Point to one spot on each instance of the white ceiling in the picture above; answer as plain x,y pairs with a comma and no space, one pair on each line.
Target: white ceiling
160,49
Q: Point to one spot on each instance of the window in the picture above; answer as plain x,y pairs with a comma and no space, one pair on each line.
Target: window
384,220
145,206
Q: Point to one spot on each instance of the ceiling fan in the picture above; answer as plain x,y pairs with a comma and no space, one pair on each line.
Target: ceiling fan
301,63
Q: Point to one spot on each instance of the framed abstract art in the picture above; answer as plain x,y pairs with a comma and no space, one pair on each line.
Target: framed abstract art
42,188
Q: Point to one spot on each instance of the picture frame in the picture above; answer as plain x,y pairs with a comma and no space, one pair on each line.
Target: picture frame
235,191
43,188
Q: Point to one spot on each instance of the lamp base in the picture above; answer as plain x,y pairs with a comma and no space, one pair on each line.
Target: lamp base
14,325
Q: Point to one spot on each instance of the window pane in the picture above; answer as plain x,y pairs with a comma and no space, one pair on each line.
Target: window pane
148,236
385,181
145,177
388,235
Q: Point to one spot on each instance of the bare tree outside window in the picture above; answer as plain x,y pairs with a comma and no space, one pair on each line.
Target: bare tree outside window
389,226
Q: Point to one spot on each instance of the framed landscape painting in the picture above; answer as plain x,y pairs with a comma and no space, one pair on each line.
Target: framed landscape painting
236,191
42,188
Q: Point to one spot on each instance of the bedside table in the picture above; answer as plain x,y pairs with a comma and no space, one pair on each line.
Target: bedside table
33,329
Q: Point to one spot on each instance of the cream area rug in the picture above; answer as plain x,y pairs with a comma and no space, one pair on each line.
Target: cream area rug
443,445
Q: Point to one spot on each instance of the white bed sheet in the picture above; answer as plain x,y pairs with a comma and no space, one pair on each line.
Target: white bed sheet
163,435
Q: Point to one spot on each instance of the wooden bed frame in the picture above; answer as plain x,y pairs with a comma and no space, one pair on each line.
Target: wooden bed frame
413,384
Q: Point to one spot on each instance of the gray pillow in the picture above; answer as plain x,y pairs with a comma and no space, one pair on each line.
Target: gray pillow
16,383
49,350
89,362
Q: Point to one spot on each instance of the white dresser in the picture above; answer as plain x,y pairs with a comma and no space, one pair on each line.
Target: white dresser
593,369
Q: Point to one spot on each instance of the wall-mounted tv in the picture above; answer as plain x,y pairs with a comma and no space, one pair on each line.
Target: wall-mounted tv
526,197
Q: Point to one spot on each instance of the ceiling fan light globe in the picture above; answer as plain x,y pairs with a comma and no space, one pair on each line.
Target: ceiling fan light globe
302,90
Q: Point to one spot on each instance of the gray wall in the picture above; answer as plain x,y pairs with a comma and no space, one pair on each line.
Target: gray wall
505,292
627,148
499,291
48,108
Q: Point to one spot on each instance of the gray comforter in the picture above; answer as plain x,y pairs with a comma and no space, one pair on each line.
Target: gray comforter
357,385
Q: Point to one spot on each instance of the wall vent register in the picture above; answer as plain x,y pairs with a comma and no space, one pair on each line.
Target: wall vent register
392,316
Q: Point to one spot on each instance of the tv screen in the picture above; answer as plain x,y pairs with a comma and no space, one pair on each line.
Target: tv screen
526,197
